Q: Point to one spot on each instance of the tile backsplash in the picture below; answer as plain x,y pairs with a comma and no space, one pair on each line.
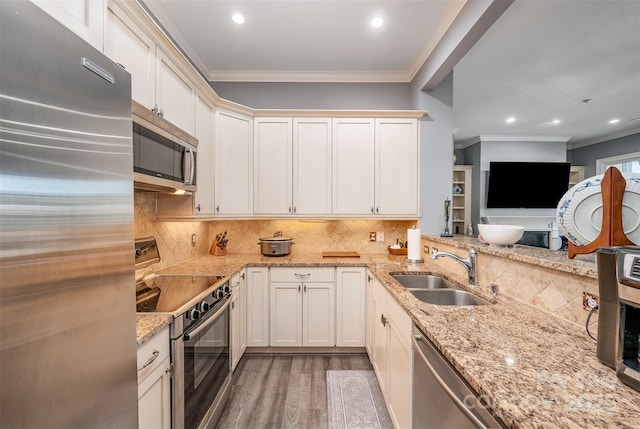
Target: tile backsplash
174,238
554,291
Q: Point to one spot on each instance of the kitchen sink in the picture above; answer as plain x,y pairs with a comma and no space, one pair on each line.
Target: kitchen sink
422,281
434,289
447,297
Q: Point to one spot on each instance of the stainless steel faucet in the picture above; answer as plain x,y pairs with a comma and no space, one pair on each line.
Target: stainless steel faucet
469,263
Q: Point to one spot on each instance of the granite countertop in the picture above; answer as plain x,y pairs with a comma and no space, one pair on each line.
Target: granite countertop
534,369
147,325
584,265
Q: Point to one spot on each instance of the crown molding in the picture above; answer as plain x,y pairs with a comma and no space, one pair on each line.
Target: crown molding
605,138
317,76
524,138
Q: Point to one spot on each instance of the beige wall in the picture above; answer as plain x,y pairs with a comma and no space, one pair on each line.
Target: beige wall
554,291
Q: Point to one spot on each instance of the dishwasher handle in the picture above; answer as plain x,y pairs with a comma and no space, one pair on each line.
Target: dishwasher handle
450,393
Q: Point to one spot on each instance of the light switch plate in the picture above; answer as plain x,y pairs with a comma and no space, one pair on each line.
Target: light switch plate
380,236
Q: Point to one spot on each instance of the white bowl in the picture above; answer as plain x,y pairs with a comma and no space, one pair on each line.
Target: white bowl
501,235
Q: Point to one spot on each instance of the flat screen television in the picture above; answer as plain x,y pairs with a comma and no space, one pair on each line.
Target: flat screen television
538,185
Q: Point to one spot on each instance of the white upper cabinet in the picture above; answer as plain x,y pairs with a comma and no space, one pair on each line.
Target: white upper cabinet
375,167
233,153
397,166
311,166
204,202
129,45
353,166
292,166
273,170
175,94
83,17
157,81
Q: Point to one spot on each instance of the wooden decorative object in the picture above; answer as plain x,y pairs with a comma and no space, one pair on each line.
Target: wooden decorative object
217,250
612,233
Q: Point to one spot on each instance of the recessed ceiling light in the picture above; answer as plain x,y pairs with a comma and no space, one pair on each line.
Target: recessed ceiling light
377,22
556,121
510,120
238,18
614,121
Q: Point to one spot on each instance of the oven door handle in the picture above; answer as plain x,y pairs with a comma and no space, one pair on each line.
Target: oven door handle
206,322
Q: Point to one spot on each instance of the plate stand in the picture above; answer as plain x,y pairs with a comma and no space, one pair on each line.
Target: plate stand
612,233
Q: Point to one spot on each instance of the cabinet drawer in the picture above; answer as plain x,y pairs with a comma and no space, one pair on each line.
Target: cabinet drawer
379,292
400,319
160,344
302,274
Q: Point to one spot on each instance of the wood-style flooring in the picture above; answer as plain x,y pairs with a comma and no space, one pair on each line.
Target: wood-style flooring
284,391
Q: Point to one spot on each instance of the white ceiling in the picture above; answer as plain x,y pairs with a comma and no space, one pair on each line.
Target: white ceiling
540,60
307,40
536,63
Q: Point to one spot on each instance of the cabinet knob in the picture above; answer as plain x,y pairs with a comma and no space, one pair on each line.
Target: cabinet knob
376,209
198,207
217,208
161,113
298,288
294,209
369,278
289,209
371,209
155,109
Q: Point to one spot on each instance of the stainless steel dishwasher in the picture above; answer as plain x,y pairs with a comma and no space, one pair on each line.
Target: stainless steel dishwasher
441,398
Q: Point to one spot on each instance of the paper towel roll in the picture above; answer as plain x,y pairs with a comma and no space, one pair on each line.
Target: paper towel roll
414,238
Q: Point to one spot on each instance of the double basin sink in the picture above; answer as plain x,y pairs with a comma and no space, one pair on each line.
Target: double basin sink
436,290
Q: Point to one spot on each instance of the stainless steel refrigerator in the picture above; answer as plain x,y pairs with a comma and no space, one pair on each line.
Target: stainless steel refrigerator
67,295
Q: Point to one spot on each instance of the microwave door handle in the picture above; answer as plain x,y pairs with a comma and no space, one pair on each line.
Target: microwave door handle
192,170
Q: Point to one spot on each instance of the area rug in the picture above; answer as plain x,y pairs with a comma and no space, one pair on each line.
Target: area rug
355,401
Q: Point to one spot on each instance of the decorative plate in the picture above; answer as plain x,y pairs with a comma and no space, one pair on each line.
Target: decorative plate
579,212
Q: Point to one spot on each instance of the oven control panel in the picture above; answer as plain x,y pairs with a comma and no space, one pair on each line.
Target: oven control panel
205,305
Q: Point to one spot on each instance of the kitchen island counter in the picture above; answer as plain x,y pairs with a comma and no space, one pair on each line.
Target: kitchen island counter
533,368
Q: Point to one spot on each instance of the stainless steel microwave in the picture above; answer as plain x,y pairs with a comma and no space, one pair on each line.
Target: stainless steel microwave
164,156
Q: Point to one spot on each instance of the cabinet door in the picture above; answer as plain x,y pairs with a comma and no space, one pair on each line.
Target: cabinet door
242,303
312,165
273,170
175,95
350,306
286,314
379,360
234,328
397,162
127,44
318,311
369,314
353,166
258,307
233,153
83,17
400,378
154,399
203,203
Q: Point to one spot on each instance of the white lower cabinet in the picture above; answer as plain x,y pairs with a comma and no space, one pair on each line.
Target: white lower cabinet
154,382
302,311
238,317
391,354
350,306
257,306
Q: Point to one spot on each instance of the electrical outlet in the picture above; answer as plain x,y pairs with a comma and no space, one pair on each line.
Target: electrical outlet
426,249
380,236
372,236
589,301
